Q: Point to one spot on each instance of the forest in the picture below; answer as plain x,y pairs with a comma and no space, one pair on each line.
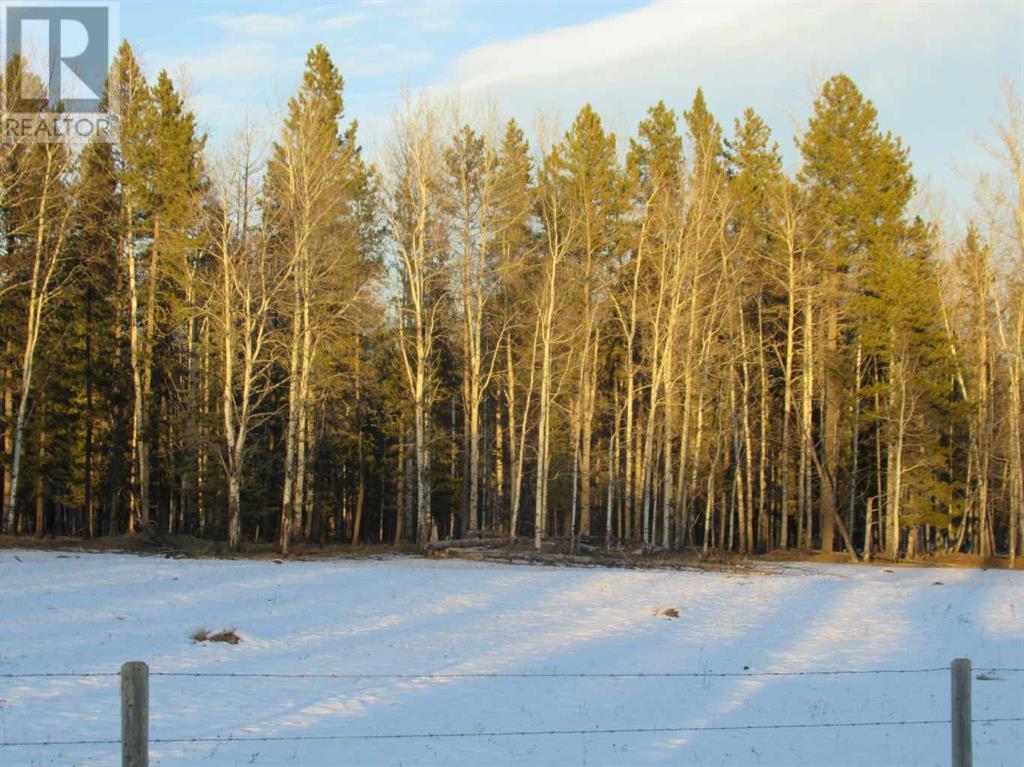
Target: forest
667,341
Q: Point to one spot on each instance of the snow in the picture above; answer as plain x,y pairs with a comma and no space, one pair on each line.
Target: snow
90,612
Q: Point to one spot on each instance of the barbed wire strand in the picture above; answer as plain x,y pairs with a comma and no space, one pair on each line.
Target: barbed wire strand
509,733
60,674
510,675
548,674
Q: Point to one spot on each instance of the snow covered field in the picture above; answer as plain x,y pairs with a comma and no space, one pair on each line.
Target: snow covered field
91,612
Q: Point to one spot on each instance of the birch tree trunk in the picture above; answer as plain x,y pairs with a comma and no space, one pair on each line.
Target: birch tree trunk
414,164
806,440
47,250
556,239
287,490
249,288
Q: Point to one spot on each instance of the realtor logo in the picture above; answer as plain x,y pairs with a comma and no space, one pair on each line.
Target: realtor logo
56,58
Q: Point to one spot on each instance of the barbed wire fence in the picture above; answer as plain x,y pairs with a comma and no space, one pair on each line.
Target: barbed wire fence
135,738
517,674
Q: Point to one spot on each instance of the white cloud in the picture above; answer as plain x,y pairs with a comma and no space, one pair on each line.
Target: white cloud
712,36
435,16
239,61
257,24
341,22
383,58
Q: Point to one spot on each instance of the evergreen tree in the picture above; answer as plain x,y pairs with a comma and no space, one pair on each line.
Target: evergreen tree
654,159
514,315
95,301
755,172
898,324
705,136
860,180
130,99
312,183
591,181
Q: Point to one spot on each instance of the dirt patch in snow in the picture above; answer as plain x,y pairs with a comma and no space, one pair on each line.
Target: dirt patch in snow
226,636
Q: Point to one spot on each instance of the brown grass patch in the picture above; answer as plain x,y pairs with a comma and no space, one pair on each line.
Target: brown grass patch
227,636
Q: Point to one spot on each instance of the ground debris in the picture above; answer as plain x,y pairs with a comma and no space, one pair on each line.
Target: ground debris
559,553
227,636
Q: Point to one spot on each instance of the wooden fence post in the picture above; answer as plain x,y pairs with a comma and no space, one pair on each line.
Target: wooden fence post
135,714
961,713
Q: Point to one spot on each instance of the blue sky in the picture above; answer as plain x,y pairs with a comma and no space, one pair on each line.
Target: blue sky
933,69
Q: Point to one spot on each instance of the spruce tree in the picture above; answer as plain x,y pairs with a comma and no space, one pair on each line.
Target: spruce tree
705,136
313,179
95,301
860,180
594,192
513,312
130,99
175,187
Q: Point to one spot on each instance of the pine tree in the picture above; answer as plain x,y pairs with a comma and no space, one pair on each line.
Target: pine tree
860,180
705,136
755,174
130,99
654,160
96,302
312,182
592,183
755,183
898,324
649,313
514,313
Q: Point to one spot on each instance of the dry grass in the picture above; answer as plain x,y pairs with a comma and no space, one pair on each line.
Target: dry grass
228,636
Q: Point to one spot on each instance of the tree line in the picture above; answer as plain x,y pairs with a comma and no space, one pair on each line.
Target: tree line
671,343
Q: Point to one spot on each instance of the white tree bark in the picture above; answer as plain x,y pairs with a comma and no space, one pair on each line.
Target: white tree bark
47,251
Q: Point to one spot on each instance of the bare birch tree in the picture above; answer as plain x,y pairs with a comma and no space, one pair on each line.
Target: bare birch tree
244,298
414,215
